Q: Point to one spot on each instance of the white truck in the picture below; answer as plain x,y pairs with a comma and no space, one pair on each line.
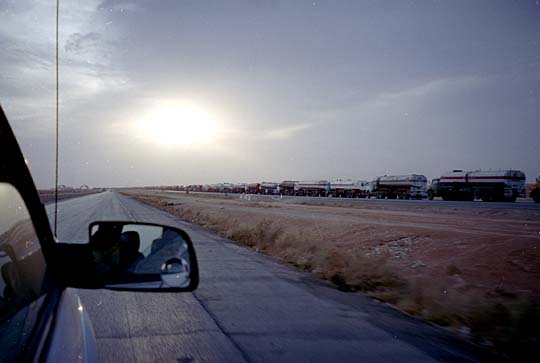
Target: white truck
411,186
348,188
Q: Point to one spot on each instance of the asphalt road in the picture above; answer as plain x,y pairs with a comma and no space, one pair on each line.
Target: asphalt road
248,307
519,204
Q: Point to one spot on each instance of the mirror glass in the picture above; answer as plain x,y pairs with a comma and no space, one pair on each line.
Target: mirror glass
141,255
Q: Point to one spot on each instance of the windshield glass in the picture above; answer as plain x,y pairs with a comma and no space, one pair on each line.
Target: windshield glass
389,148
254,91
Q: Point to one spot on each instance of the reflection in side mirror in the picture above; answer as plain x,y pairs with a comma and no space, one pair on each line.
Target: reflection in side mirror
141,256
175,272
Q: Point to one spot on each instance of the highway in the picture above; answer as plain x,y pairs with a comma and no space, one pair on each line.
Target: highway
521,203
248,308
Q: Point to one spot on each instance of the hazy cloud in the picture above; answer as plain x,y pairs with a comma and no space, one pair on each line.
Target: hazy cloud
285,133
298,89
77,42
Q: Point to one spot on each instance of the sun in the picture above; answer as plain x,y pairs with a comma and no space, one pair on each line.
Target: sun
173,124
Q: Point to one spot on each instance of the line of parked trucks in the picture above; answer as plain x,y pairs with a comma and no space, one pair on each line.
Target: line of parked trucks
499,185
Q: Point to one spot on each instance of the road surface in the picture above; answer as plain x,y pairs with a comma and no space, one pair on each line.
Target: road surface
248,307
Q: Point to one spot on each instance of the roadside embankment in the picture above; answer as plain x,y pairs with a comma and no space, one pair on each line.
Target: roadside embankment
47,196
476,271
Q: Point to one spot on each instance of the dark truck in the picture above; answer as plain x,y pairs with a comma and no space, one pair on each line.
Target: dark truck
498,185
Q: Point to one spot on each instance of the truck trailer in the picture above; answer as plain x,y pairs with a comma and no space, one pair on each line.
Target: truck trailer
314,188
269,188
498,185
411,186
347,188
225,187
286,187
239,188
253,188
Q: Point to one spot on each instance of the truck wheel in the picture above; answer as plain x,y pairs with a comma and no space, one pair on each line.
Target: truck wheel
430,194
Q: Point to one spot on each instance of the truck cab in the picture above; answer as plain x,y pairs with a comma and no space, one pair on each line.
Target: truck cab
432,191
365,187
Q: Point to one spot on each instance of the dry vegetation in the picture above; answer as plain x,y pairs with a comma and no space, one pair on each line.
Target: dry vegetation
476,272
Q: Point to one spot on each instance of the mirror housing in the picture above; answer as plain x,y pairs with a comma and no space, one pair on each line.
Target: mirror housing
125,255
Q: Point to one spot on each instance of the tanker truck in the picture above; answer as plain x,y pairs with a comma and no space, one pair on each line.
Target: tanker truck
269,188
535,190
239,188
314,188
253,188
399,186
286,187
224,187
498,185
347,188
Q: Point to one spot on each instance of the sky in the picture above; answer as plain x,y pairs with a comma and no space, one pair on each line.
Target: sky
184,92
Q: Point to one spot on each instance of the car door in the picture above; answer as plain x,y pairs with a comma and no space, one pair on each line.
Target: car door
30,302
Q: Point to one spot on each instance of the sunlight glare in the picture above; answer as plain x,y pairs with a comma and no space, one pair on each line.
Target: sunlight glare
177,124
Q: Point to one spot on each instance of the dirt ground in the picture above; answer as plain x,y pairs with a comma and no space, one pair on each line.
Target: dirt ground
454,266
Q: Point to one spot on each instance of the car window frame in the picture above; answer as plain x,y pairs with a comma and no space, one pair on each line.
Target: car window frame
14,171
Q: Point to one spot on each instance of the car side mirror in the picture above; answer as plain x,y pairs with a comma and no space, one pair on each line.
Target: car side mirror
131,256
